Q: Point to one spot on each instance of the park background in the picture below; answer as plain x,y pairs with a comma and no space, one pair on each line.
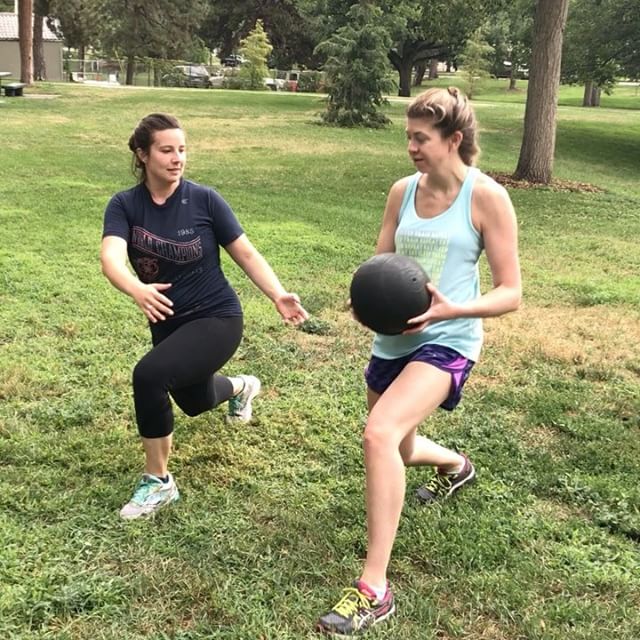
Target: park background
271,522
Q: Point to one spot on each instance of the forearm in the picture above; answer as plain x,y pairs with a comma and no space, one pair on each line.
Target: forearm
262,275
120,277
503,299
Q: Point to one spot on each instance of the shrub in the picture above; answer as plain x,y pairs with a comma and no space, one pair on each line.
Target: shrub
311,81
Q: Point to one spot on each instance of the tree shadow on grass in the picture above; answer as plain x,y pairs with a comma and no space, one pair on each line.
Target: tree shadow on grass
609,145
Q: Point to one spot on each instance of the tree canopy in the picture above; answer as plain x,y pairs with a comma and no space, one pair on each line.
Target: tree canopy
290,29
602,43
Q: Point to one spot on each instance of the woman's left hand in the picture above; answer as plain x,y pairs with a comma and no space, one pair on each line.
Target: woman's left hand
289,307
441,308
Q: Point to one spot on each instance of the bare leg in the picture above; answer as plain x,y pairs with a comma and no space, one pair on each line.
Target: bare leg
156,452
417,450
392,423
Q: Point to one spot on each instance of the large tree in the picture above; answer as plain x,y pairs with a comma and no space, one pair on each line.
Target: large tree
161,29
538,144
600,44
420,30
509,33
25,35
77,21
292,29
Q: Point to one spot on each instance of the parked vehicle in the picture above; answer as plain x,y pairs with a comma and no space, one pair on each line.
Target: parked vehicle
187,75
503,70
216,81
233,60
275,84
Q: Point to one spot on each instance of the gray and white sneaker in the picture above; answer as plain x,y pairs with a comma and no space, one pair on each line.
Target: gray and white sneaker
240,409
150,495
443,485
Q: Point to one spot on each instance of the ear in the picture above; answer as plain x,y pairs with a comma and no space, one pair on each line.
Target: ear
456,139
141,155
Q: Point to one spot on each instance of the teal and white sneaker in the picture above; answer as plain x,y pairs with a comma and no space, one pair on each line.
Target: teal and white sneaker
240,409
150,495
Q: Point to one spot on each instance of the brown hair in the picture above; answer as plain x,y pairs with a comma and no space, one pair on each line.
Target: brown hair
449,111
142,138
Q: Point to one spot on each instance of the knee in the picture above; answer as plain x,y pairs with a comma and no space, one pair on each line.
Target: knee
191,410
143,375
377,435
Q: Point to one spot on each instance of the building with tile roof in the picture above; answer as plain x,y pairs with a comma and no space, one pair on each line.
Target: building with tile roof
10,50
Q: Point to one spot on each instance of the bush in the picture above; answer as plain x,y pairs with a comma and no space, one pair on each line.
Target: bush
232,79
311,81
174,78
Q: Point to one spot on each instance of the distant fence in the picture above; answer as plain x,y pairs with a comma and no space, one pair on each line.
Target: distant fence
150,72
146,72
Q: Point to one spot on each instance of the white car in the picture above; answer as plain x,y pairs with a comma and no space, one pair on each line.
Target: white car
275,84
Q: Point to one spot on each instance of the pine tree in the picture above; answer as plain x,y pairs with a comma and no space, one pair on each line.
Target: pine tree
357,69
255,50
475,60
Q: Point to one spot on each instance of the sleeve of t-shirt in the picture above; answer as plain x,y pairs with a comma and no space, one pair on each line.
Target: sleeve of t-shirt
115,219
226,226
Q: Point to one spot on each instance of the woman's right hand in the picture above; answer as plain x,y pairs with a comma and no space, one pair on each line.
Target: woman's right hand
154,304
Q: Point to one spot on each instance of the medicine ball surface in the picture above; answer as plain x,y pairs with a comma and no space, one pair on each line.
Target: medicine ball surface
387,290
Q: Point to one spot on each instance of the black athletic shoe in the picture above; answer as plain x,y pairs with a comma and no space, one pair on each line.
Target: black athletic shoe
443,485
357,610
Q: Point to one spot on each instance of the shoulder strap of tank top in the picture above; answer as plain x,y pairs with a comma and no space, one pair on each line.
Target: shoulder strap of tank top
409,193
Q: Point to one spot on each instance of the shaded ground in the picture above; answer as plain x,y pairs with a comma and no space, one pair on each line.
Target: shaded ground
556,184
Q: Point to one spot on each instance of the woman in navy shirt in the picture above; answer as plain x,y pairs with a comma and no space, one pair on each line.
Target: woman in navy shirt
171,230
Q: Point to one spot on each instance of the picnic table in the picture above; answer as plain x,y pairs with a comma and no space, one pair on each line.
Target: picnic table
3,74
11,89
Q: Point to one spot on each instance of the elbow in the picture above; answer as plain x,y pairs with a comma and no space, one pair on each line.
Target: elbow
103,266
107,265
516,299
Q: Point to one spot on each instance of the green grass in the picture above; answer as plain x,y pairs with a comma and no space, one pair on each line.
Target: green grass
623,96
271,522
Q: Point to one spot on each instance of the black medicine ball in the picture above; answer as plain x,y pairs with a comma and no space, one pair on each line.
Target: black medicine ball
387,290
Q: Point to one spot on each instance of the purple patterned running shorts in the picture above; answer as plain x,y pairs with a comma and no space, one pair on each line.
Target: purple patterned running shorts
380,373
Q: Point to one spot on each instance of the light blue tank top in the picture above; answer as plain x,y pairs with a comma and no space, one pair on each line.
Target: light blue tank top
448,248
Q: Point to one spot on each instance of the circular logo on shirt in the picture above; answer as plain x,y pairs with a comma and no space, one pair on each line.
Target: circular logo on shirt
147,269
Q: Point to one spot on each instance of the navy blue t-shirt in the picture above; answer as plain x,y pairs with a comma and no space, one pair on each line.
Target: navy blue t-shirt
179,242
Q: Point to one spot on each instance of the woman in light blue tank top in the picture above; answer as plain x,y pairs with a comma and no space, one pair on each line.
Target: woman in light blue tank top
443,216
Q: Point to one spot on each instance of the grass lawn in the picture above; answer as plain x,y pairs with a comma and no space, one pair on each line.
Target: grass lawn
623,96
271,522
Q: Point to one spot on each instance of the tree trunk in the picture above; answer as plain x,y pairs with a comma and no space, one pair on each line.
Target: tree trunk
588,94
157,75
131,66
421,69
81,54
25,34
512,79
39,69
433,69
538,143
404,90
595,96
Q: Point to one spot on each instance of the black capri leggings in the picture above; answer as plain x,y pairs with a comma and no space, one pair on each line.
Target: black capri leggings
183,363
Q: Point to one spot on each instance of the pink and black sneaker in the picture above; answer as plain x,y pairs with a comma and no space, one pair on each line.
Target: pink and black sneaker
357,610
